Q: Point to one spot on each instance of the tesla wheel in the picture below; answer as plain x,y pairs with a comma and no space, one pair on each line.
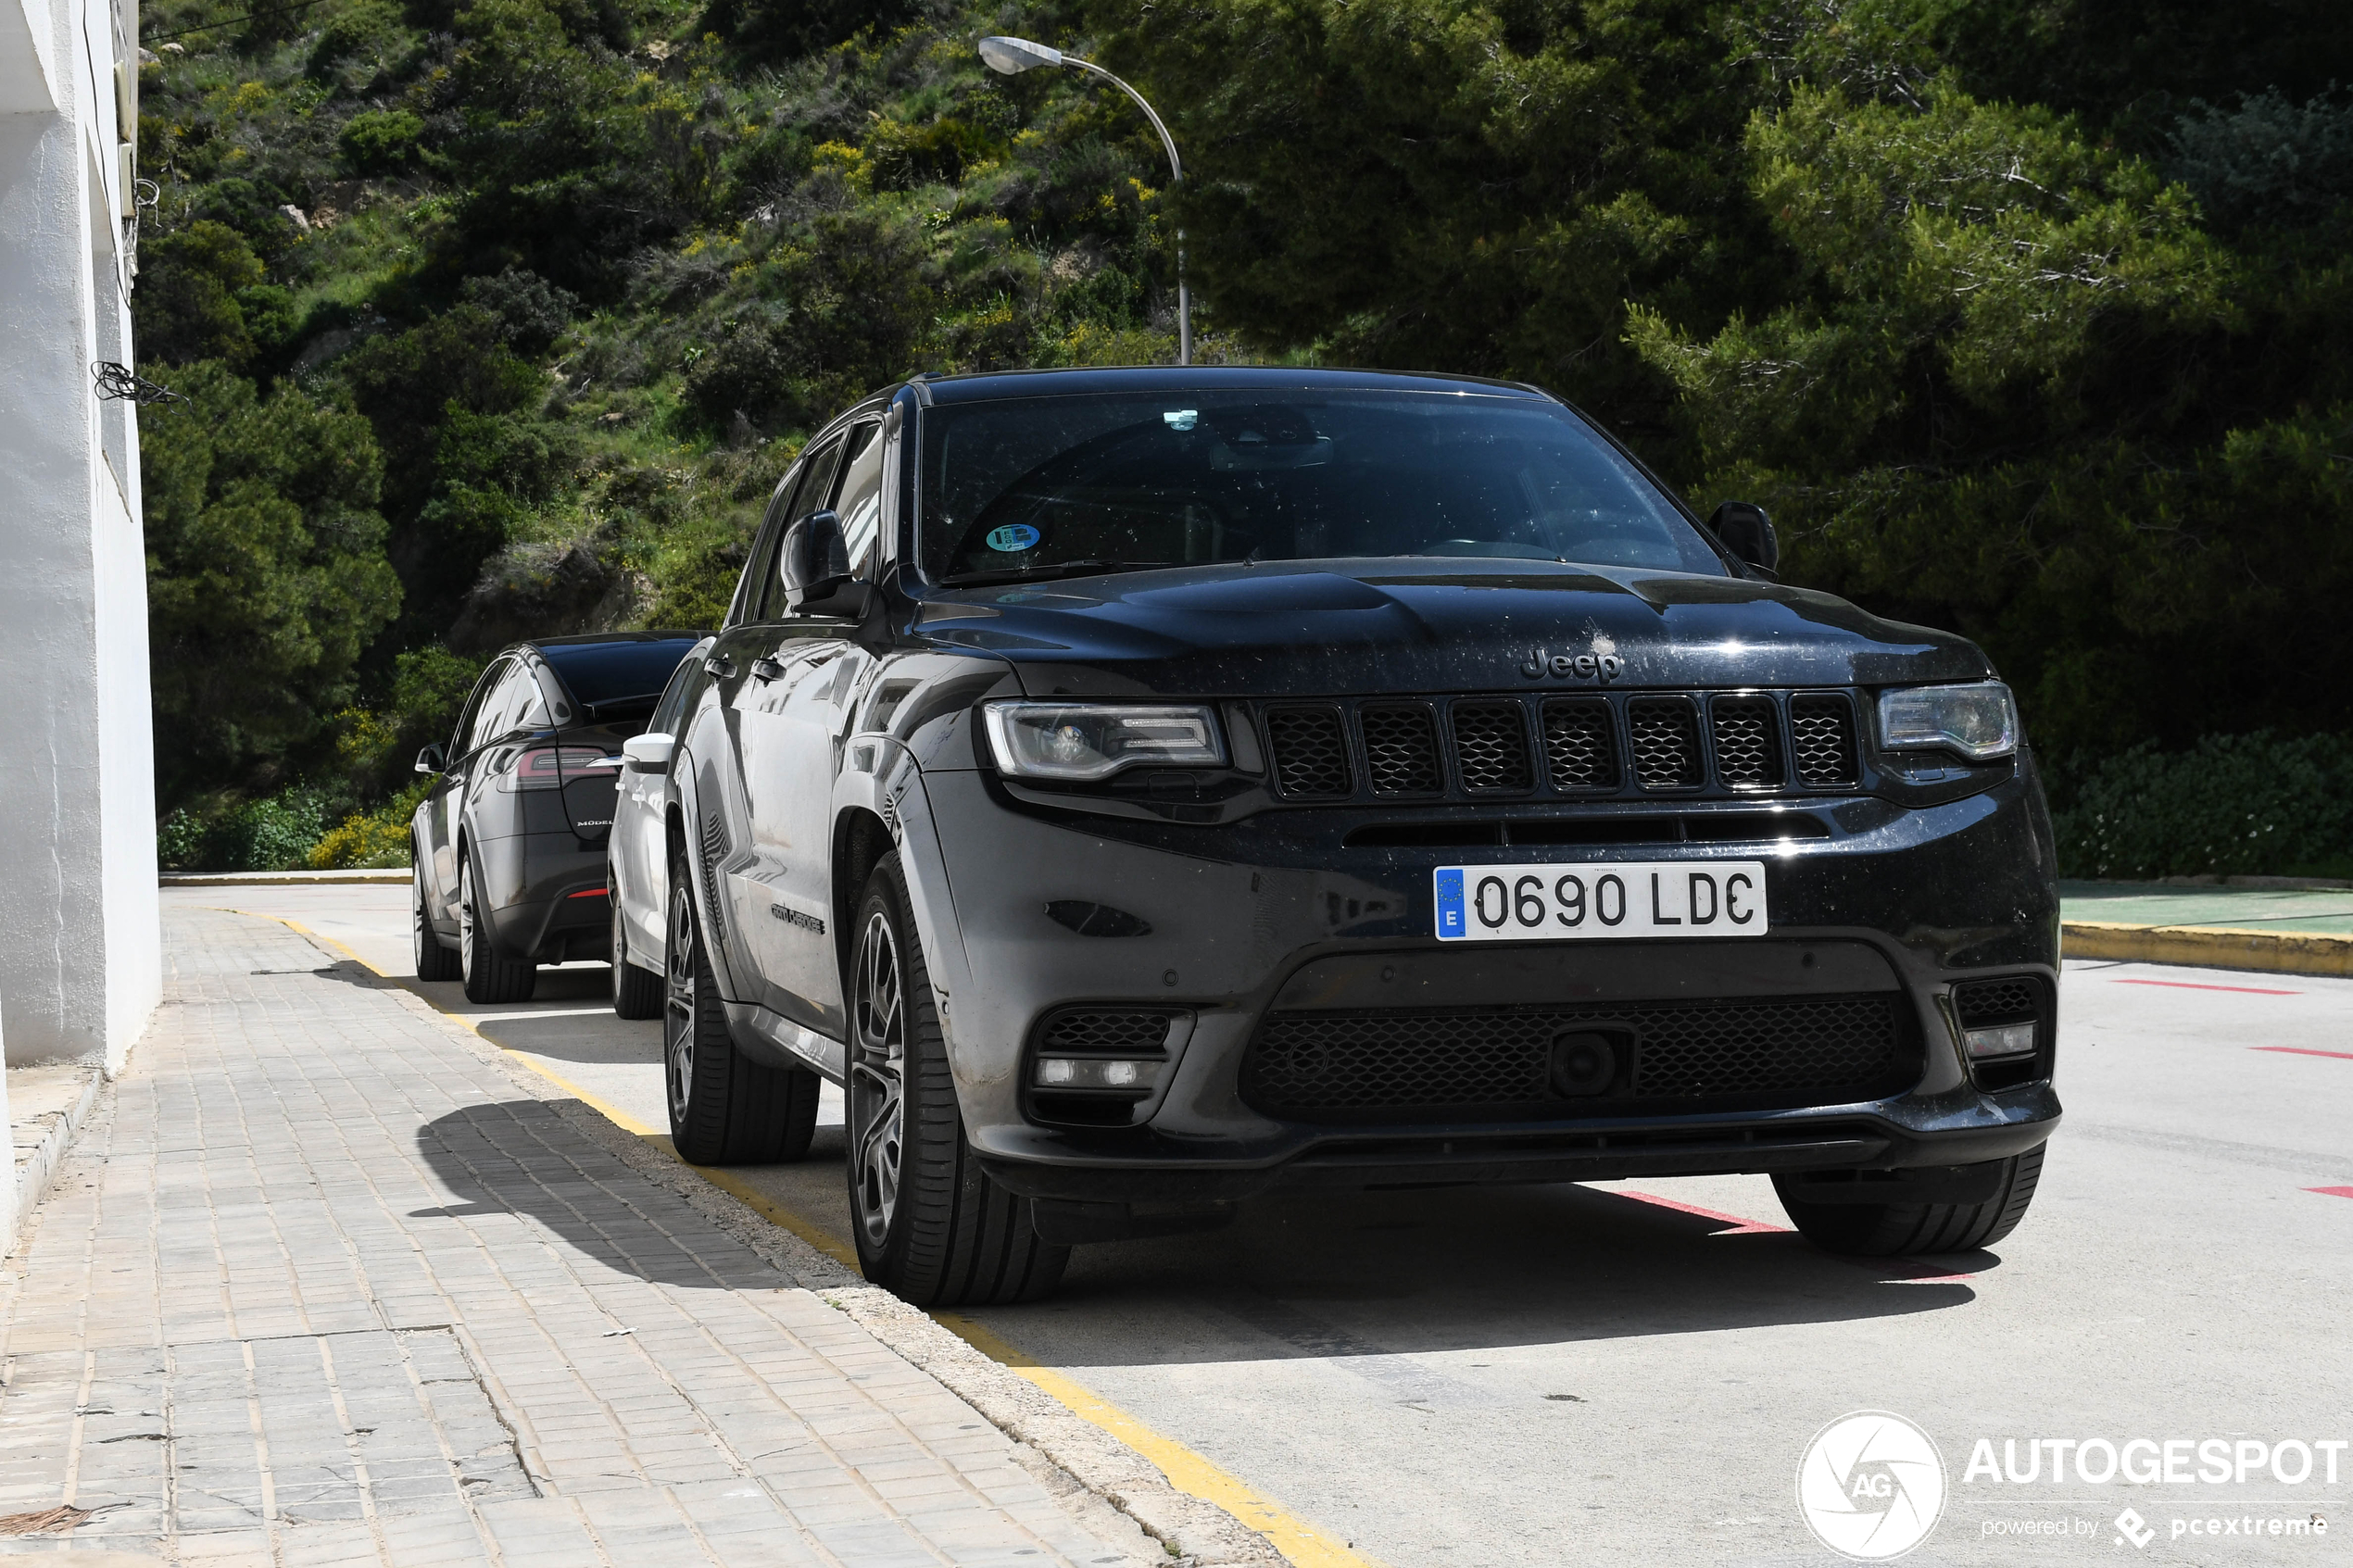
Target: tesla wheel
435,960
724,1107
1882,1230
637,993
930,1224
488,976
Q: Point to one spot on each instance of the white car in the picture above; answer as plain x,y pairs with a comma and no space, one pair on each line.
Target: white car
637,857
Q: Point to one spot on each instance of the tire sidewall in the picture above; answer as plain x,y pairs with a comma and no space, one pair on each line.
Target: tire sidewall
924,1184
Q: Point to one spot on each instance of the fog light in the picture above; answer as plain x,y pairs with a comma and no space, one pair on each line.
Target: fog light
1095,1072
2001,1039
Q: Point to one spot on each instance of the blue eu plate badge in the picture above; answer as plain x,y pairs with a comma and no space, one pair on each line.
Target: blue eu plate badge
1450,902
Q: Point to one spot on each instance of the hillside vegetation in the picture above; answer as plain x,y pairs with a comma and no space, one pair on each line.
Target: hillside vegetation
502,316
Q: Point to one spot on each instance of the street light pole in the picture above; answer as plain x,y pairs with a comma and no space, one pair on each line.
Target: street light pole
1010,57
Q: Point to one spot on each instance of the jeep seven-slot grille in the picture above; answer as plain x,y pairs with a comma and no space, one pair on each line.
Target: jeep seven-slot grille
1565,745
1400,1065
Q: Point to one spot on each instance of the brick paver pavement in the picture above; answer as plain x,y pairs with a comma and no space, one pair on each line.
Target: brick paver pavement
325,1288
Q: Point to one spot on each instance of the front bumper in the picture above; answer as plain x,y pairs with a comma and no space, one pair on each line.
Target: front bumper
1904,902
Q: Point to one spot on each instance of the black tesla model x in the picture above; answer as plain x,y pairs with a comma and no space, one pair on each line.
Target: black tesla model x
509,845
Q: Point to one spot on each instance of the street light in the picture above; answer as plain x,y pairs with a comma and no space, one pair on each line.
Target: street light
1010,57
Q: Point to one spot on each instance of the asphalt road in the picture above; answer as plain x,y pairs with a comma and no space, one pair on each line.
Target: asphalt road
1630,1372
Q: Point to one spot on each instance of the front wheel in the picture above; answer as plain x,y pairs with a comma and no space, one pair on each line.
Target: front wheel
1886,1230
931,1226
435,960
724,1107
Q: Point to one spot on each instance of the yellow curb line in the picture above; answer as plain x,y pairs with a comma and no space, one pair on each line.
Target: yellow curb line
1187,1470
2284,952
1300,1544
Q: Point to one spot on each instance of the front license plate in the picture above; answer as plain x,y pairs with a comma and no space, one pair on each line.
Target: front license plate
1621,899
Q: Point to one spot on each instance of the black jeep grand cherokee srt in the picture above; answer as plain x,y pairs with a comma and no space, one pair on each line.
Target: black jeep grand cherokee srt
1146,788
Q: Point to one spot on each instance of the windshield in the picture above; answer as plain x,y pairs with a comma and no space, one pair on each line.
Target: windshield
1054,487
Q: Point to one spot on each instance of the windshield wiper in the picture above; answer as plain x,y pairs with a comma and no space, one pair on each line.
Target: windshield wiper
1054,569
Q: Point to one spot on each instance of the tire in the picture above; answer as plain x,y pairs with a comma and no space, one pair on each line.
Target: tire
637,993
931,1226
434,960
724,1107
1884,1230
488,977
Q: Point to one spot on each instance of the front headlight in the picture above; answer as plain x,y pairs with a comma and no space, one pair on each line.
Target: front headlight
1082,741
1980,721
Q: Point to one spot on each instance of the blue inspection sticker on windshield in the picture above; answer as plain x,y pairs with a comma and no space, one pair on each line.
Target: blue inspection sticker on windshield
1011,537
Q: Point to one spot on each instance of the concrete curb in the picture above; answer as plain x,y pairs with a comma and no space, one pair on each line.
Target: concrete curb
36,1172
2282,952
282,879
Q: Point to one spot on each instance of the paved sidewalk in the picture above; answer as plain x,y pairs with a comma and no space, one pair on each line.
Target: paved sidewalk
2325,911
322,1286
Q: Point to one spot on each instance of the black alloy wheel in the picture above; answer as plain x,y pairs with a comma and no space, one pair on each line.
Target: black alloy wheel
637,993
930,1224
724,1107
435,960
1887,1230
489,977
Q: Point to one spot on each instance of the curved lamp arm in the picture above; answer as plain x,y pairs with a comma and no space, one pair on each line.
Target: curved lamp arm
1009,57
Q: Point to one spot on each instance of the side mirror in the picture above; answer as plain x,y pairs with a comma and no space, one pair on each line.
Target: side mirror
433,759
649,753
816,568
1744,530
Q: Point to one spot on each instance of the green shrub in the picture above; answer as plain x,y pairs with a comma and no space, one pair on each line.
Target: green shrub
381,140
2233,805
377,838
273,834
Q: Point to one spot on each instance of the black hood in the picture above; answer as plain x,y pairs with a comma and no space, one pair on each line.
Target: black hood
1423,624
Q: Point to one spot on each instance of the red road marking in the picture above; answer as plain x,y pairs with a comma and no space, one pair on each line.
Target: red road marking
1742,1225
2333,1192
2194,985
2300,1050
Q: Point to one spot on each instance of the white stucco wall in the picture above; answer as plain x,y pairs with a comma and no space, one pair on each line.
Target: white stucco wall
81,961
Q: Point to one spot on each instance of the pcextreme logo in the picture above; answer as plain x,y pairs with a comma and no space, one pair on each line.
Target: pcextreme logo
1871,1486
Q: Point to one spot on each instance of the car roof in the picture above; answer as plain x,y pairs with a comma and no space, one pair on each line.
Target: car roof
987,385
592,639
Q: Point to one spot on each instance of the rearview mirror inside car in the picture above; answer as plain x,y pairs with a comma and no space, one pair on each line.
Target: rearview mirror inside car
1743,529
816,568
649,753
432,759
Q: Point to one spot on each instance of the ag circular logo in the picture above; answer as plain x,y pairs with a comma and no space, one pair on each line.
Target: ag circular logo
1871,1486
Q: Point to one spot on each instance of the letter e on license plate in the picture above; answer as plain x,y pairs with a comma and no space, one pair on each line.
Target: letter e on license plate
1612,899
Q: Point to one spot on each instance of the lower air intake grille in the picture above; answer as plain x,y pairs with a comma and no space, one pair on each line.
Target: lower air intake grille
1665,735
1982,1003
1823,730
1079,1030
1790,1051
1311,753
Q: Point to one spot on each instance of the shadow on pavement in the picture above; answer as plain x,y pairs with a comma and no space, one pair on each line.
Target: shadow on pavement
1389,1273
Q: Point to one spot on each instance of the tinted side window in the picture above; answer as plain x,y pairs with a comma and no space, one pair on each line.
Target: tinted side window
862,497
815,489
760,565
672,706
469,718
487,719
